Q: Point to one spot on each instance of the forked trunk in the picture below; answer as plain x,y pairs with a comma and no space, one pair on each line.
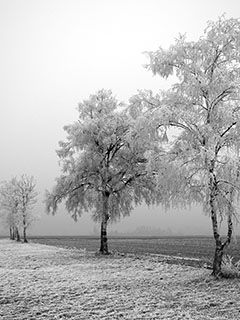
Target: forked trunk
105,217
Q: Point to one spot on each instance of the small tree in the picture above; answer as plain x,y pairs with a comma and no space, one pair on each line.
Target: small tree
26,195
204,107
103,163
9,207
17,198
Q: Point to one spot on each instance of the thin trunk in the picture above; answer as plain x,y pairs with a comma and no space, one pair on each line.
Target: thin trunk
13,233
24,230
217,262
105,217
25,234
17,234
10,233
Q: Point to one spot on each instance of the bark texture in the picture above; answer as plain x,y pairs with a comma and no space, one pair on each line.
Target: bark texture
220,246
217,261
105,217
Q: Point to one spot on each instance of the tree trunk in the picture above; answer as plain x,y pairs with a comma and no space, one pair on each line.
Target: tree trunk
220,246
11,233
24,230
25,234
17,234
217,262
105,217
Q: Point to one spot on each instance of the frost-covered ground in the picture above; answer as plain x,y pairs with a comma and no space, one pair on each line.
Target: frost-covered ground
46,282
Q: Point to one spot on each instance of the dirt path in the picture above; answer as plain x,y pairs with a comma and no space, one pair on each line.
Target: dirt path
46,282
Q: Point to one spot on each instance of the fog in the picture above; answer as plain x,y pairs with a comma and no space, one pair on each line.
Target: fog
56,53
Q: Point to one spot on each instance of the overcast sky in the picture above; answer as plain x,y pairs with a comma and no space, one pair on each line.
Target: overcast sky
56,53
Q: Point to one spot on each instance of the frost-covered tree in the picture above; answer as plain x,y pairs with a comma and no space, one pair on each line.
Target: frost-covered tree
9,208
25,190
103,164
203,106
17,197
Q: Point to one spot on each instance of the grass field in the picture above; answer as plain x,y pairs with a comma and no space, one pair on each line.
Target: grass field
192,247
51,283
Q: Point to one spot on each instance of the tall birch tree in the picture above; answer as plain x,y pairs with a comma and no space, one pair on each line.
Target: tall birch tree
103,164
204,108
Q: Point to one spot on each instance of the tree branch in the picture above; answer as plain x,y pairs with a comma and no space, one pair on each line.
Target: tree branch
221,96
225,131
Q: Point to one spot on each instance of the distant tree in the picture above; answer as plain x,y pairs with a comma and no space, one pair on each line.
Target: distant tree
27,197
17,198
103,164
9,208
204,108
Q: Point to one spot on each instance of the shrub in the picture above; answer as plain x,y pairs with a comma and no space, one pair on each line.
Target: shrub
229,268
